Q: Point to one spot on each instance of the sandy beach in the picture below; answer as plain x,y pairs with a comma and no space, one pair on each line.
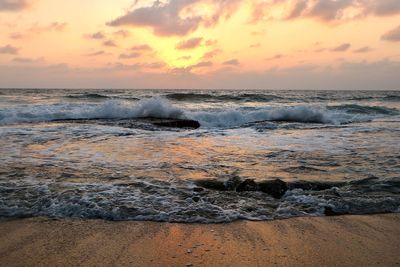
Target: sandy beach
371,240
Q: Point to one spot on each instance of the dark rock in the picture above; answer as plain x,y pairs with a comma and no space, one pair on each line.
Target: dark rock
233,182
177,123
196,199
146,123
330,212
198,189
247,185
315,186
212,184
276,188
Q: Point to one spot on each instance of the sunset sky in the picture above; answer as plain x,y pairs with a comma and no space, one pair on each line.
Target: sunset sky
270,44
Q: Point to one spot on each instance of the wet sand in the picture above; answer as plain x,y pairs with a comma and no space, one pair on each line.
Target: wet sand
372,240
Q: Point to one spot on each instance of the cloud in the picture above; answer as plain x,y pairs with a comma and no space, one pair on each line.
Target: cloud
163,19
189,44
96,36
392,35
36,29
211,42
184,58
54,26
364,49
257,45
364,75
27,60
383,7
129,56
13,5
154,65
8,49
202,64
188,69
232,62
136,66
176,17
97,53
110,43
335,11
341,48
16,36
277,56
122,33
297,9
141,48
211,54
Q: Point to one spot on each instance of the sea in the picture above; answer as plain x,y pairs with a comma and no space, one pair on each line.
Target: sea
257,155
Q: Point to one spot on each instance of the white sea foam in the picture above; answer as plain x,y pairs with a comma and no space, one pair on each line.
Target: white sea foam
113,109
299,114
161,108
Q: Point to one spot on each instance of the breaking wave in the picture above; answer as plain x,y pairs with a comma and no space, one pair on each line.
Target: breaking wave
160,108
162,201
153,107
244,97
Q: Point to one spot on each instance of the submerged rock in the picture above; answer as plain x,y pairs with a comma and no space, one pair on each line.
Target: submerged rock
177,123
330,212
276,188
212,184
247,185
232,183
146,123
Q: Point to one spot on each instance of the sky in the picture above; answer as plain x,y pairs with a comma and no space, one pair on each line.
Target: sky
206,44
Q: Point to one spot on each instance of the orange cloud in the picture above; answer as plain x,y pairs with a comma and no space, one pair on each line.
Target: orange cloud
189,44
341,48
141,48
129,56
232,62
54,26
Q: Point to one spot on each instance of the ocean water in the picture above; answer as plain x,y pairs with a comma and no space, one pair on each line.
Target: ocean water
92,154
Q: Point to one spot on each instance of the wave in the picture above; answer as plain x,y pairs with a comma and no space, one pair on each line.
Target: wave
283,97
293,114
391,98
91,95
148,199
96,96
112,109
160,108
358,109
244,97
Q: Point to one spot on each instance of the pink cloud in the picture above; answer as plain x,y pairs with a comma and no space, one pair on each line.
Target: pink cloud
13,5
392,35
9,49
166,19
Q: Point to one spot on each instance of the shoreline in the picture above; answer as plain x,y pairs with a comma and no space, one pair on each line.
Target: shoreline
348,240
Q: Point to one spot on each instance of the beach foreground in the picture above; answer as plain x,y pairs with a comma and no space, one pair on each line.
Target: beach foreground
371,240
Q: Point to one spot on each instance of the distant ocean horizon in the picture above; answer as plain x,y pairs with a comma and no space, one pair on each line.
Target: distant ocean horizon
257,155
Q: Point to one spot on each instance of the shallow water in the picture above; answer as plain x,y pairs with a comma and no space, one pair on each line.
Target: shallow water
95,169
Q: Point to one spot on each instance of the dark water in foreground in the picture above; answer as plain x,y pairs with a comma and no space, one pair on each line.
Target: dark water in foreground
338,152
